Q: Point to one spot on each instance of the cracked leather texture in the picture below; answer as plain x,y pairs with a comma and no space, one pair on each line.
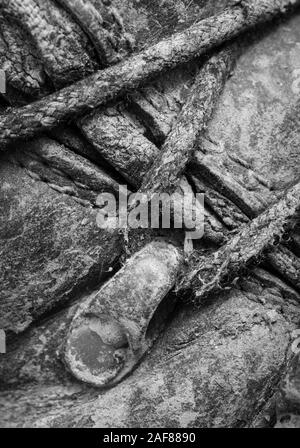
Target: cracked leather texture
214,366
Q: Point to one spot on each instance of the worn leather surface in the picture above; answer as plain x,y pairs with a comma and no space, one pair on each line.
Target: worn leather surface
50,250
49,156
259,118
214,366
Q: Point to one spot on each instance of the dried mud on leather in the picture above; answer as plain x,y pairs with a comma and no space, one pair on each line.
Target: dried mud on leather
185,305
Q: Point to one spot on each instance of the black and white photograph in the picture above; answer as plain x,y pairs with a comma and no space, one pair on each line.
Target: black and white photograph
149,217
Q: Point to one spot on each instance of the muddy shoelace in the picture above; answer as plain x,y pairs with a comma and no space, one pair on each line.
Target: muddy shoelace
205,275
171,162
113,82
